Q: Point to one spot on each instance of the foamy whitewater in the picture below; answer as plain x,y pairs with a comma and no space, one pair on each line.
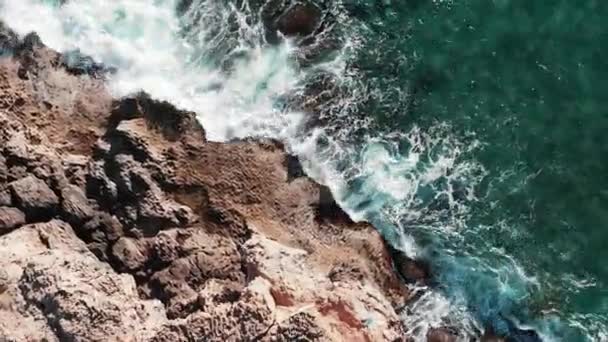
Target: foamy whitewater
412,185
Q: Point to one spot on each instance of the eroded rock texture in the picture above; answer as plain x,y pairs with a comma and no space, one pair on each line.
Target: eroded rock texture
120,221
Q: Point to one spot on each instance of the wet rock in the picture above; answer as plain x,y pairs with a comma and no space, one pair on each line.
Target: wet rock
164,116
294,168
78,64
35,198
441,335
489,336
412,270
10,218
8,40
75,207
300,19
328,209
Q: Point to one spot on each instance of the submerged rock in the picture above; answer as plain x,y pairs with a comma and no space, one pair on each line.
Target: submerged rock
300,19
441,335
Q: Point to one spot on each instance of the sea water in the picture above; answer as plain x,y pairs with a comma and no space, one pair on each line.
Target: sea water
471,133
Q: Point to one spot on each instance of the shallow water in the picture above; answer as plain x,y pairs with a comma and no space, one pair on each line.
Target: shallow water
470,132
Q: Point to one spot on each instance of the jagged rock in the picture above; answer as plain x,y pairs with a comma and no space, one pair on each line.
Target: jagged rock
35,198
78,64
412,270
8,40
75,167
300,327
75,207
161,115
248,319
108,225
130,255
233,250
10,218
16,148
60,291
99,185
206,257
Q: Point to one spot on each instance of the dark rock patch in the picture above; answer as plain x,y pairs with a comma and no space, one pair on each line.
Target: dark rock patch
442,335
34,198
411,270
294,168
162,115
300,19
328,209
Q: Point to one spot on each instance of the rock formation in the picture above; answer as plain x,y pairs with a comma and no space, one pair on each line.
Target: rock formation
119,221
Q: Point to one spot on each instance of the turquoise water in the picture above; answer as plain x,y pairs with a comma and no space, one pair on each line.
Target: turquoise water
470,132
527,80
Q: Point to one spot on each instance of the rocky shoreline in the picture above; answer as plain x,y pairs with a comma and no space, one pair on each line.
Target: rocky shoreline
119,221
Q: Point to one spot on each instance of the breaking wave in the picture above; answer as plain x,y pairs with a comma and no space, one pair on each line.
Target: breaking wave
218,59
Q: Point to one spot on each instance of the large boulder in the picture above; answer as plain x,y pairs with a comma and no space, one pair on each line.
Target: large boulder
35,198
75,207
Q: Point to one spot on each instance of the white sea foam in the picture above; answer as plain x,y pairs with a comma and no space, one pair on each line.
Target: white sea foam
221,68
143,39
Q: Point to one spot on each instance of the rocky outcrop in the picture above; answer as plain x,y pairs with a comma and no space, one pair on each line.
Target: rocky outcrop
54,289
120,221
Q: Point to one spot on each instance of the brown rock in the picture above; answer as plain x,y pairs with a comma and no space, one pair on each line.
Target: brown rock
6,200
441,335
75,206
10,218
300,327
3,169
229,236
60,292
109,225
489,336
129,254
35,198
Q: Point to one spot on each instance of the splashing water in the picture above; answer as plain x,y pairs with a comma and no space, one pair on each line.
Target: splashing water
417,186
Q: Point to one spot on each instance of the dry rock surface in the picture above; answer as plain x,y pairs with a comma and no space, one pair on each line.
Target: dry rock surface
119,221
